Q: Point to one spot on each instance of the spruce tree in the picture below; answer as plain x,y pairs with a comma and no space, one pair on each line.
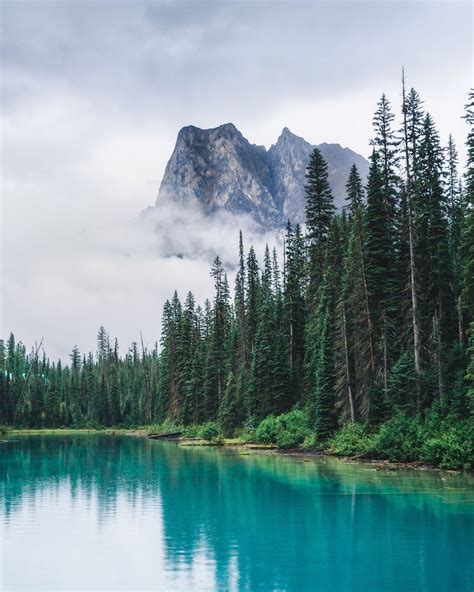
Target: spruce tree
381,270
294,307
467,241
319,214
354,191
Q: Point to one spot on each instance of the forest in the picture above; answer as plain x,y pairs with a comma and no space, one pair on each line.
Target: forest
358,340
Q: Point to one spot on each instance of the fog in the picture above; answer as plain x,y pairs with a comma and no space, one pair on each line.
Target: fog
111,270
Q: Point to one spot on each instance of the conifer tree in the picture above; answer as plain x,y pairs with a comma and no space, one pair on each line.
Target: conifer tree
261,379
319,214
381,269
216,354
411,109
354,191
467,241
439,297
320,343
3,384
294,307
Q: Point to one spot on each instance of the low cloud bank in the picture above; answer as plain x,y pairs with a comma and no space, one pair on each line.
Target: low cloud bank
82,271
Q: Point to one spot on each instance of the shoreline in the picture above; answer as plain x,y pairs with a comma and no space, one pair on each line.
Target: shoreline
376,464
246,448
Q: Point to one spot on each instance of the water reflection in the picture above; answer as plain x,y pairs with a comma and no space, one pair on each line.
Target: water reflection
120,513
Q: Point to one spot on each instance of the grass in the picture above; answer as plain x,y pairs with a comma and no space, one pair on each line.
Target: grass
63,431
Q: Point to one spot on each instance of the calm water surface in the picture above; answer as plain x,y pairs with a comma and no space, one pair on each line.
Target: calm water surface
122,513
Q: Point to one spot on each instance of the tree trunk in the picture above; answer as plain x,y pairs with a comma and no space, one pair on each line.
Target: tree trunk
346,357
414,298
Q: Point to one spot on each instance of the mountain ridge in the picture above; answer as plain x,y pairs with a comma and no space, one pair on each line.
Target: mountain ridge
218,168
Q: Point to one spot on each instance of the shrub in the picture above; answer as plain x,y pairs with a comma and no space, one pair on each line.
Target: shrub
399,439
247,435
452,448
266,431
292,429
192,431
353,438
208,431
310,442
288,430
164,427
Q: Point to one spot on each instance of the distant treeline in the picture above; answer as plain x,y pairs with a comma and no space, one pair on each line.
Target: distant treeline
370,312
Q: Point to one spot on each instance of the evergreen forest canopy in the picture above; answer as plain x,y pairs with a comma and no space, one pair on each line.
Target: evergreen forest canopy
366,326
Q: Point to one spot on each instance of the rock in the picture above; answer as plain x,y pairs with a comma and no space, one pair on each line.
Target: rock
218,169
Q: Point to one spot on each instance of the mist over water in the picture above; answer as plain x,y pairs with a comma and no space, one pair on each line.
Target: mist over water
121,513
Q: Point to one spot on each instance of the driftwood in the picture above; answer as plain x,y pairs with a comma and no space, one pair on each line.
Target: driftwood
166,436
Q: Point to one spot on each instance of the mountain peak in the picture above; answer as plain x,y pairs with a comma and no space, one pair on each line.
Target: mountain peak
225,128
218,168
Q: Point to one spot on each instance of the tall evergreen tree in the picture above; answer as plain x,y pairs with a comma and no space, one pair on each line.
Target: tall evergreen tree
354,191
319,214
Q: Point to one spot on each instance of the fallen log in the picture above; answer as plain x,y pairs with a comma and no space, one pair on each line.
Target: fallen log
166,436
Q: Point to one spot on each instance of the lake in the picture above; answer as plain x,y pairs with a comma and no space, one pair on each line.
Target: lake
98,512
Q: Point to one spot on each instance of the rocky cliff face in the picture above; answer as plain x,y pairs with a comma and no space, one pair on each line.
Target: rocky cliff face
219,169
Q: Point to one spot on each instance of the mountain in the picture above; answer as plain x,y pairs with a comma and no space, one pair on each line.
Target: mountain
218,168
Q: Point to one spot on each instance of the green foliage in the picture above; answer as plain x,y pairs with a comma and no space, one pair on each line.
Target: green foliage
165,427
352,439
310,442
288,430
452,448
267,430
209,431
440,441
399,439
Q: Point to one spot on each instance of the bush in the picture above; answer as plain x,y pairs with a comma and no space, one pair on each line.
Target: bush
310,442
192,431
293,429
209,431
288,430
167,426
452,448
438,440
352,439
247,435
287,440
266,431
399,439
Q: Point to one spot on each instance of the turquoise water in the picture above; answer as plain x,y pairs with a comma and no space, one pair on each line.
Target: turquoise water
123,513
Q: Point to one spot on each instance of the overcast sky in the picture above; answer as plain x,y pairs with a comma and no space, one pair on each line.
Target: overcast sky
93,94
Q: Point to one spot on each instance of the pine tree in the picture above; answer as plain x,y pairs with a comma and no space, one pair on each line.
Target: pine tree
386,145
354,191
252,298
261,377
53,398
294,308
320,338
216,354
411,109
319,214
456,211
3,385
113,391
467,241
381,270
439,296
